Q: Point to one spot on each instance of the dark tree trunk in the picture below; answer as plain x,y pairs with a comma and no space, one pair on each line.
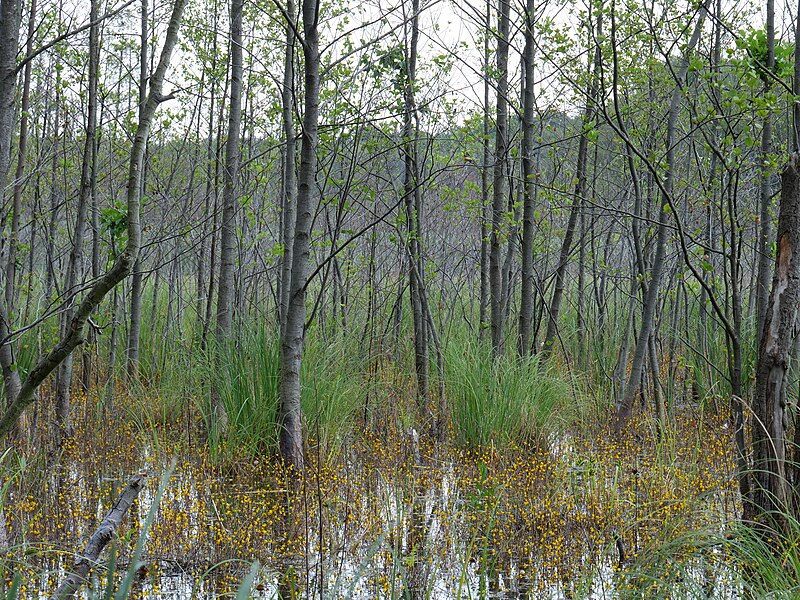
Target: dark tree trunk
770,490
10,15
765,187
412,200
289,183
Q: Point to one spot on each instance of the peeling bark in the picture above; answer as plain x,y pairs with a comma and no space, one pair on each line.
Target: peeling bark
770,492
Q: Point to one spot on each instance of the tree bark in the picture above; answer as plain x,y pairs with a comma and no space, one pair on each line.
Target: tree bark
498,193
292,337
770,490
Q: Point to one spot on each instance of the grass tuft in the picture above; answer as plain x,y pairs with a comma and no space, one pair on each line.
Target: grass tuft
500,400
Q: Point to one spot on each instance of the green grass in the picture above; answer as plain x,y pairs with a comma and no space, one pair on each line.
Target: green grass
503,399
248,375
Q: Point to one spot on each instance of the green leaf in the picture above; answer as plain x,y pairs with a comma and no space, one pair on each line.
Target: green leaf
243,593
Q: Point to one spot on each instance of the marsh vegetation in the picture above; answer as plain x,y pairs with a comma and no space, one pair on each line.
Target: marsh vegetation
408,299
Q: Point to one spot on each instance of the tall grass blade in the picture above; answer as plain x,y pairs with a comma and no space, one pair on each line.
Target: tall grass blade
243,593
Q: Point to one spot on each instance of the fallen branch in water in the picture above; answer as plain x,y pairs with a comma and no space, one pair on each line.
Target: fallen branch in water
99,540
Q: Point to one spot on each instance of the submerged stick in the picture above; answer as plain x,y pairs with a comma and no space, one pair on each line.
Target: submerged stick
99,540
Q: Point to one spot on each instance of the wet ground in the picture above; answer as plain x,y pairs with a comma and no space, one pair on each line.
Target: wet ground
382,518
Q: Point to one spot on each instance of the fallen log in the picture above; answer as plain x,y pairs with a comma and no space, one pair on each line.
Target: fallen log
77,576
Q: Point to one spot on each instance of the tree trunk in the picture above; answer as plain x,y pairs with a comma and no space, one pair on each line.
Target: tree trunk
16,205
588,122
227,265
11,291
289,197
498,197
529,185
411,196
770,492
205,281
484,265
10,16
292,337
765,187
74,267
137,283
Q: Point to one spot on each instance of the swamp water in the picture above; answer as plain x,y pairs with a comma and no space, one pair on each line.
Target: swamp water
377,521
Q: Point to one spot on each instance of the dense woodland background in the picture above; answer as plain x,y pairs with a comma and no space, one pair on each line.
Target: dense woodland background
251,212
